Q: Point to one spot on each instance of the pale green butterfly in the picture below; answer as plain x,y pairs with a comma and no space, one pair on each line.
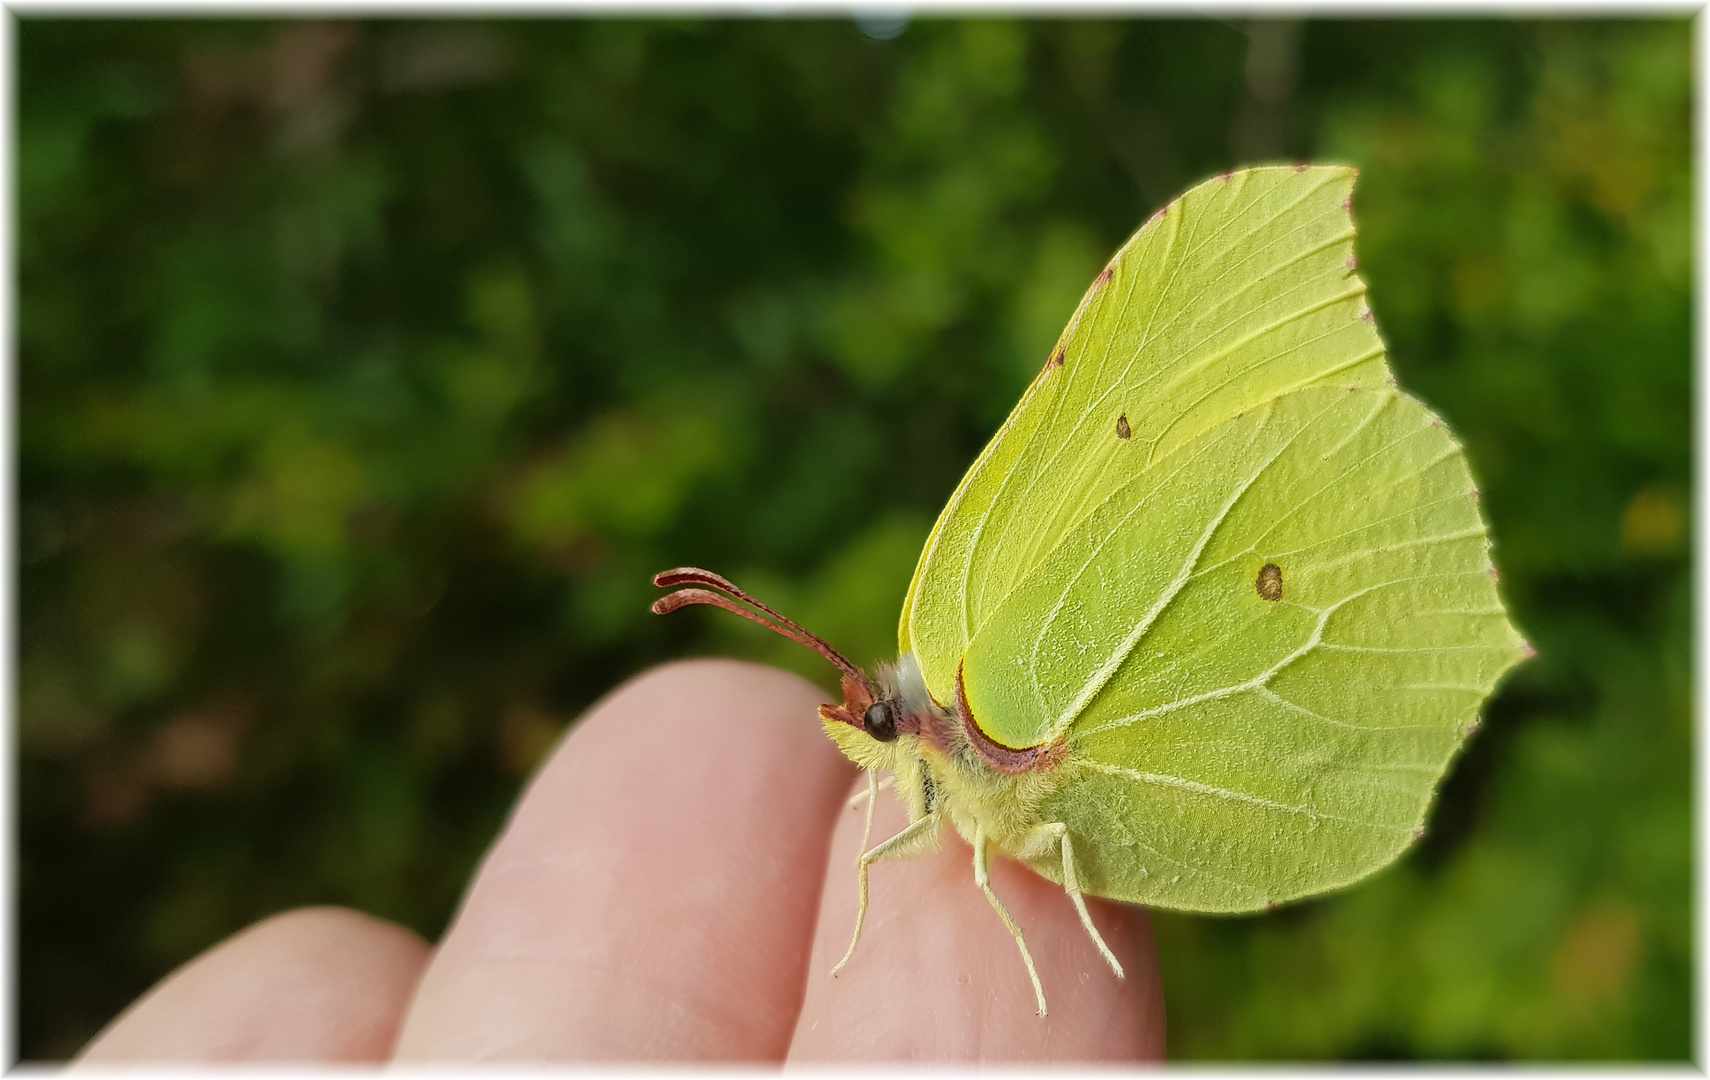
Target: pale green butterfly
1203,625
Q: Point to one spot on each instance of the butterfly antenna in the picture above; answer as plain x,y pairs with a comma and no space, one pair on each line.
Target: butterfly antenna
784,625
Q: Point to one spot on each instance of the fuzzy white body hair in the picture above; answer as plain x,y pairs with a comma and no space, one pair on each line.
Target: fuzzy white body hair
904,683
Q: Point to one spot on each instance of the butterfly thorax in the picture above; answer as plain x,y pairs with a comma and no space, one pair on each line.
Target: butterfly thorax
942,761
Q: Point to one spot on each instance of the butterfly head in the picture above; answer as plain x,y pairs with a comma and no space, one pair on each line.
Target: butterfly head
869,725
888,718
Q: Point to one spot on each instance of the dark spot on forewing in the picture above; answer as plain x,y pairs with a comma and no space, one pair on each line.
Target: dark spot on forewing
1123,431
1056,360
1269,582
1104,277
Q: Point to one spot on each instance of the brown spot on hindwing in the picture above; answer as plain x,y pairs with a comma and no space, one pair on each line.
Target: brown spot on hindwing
1269,582
1123,431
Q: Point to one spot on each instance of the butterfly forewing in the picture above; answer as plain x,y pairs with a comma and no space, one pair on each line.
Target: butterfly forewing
1239,291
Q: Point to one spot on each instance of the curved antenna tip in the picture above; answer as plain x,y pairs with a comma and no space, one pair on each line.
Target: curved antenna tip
727,596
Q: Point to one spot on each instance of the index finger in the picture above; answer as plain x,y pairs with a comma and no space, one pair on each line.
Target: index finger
654,893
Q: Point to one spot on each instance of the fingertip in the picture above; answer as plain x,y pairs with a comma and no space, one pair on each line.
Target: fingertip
681,739
653,894
320,984
732,702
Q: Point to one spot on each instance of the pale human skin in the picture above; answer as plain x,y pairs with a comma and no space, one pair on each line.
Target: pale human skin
675,884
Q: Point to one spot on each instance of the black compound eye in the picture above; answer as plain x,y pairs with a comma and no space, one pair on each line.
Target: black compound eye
881,720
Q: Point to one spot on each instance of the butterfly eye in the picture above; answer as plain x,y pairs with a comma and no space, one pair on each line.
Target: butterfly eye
881,721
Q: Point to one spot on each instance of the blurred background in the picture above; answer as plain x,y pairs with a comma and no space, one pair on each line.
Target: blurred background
367,370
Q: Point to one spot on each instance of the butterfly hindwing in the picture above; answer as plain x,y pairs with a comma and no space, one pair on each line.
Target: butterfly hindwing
1261,654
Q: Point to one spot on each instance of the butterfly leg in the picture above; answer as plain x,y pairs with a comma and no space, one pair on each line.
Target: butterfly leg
1056,834
865,796
983,880
900,846
872,794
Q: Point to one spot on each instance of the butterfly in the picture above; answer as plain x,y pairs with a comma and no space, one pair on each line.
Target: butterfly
1205,622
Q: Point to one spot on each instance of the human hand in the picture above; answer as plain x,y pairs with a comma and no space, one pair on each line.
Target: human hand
675,884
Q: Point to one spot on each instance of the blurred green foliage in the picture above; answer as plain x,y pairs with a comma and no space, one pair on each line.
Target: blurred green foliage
367,371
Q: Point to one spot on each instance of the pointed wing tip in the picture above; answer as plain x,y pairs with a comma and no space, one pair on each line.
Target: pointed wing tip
1334,177
1348,172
